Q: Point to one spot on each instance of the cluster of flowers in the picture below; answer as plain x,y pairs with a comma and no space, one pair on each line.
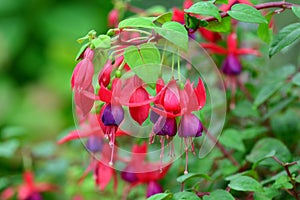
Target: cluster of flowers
116,94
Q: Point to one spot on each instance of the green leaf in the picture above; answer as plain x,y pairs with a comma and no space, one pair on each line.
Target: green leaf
205,8
282,73
223,27
278,107
265,147
192,22
267,194
188,176
284,38
161,196
266,92
246,13
185,195
175,33
297,179
296,10
269,155
219,195
147,53
283,182
253,132
296,79
232,138
102,41
264,32
293,169
8,148
245,183
245,109
166,17
81,51
137,22
12,131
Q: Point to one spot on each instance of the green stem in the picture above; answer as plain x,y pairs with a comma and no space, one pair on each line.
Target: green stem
178,66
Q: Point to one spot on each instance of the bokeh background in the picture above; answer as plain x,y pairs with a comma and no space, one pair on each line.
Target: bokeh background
37,55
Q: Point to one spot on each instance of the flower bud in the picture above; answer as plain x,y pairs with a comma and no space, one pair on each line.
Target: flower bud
104,75
113,18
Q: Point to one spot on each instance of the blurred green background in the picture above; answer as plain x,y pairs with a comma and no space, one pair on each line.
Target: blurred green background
37,56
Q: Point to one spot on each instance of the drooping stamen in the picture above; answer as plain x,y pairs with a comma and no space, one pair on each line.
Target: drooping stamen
112,144
152,138
172,149
162,142
186,155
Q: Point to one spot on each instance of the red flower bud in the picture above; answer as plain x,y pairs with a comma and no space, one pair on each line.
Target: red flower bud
113,18
104,76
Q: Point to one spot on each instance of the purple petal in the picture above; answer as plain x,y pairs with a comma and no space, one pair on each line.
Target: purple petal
165,126
190,126
231,65
112,115
153,188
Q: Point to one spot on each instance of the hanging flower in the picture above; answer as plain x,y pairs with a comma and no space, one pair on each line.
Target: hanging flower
139,171
29,190
81,83
231,65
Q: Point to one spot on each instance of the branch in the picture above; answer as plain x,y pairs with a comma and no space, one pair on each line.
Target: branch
286,167
281,4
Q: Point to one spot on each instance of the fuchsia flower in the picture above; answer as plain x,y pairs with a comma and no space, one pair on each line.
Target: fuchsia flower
172,102
93,130
231,65
139,171
29,190
81,83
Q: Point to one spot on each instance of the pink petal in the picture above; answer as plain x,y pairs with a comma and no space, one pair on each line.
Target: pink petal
83,101
248,52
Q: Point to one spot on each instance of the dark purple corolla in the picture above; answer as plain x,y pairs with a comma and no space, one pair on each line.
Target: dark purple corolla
231,65
165,126
112,115
190,126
